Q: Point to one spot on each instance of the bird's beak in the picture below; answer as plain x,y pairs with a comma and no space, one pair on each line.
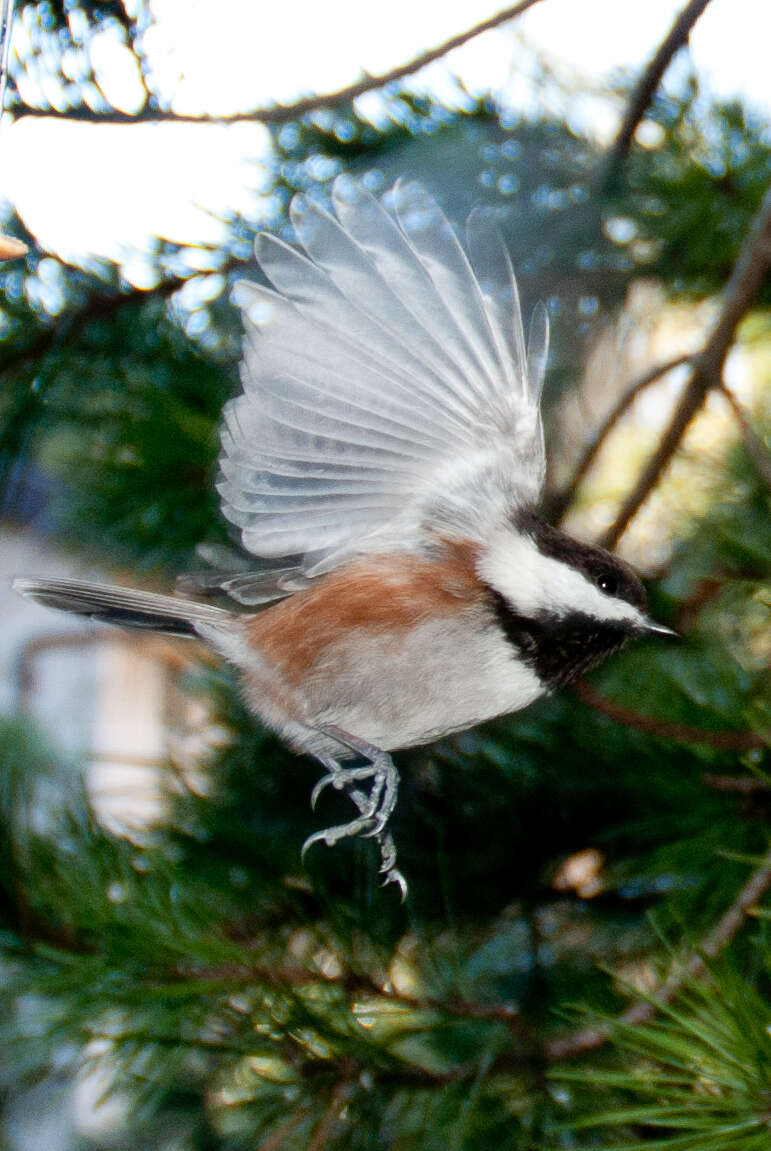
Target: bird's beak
658,628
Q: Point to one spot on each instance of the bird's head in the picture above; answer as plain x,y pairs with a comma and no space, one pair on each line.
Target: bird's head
563,603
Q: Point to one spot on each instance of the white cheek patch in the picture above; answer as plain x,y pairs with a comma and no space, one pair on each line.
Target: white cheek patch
533,582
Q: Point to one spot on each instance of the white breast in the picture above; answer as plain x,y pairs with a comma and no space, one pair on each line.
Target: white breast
408,689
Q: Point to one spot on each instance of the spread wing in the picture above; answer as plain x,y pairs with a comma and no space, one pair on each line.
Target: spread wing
386,387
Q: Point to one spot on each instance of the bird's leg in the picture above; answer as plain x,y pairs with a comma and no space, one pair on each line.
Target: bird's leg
374,807
380,803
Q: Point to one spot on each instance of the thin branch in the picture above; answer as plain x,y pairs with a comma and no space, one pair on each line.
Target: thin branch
321,1136
756,449
663,729
279,1136
560,502
691,402
590,1038
643,93
739,784
749,272
578,1043
284,113
357,987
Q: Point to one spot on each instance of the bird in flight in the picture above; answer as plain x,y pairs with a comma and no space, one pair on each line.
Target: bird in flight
383,465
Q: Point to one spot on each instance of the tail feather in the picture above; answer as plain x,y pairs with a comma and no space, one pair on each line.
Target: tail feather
125,607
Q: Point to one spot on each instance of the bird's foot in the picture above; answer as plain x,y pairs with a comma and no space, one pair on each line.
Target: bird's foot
375,807
387,861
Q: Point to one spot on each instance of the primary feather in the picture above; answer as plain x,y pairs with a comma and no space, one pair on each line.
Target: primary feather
387,392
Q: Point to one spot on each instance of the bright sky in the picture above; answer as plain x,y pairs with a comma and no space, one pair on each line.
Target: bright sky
104,190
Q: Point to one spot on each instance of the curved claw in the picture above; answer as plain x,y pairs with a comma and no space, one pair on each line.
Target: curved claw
332,835
317,835
395,876
319,787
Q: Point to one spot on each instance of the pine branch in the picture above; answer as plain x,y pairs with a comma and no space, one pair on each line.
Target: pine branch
97,306
562,500
756,449
644,91
278,1138
746,279
340,1096
664,729
740,784
286,113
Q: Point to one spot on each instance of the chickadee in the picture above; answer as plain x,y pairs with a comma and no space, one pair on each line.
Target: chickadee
388,441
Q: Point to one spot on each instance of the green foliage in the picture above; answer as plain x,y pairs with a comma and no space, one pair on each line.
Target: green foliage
691,198
680,213
134,431
240,999
126,419
207,957
699,1074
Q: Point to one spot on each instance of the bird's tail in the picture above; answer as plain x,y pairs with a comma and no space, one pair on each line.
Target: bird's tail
125,607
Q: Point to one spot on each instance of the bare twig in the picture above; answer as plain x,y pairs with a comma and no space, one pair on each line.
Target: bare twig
560,502
278,1138
662,728
590,1038
649,82
739,784
756,449
752,264
340,1096
692,400
284,113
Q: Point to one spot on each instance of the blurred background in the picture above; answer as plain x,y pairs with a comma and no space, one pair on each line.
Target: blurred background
583,960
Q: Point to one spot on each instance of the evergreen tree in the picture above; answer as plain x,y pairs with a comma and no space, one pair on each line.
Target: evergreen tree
583,959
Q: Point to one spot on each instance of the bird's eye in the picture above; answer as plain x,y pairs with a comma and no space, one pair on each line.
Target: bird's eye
607,583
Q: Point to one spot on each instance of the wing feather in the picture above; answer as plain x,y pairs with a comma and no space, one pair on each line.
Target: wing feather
425,285
387,389
376,361
495,276
429,332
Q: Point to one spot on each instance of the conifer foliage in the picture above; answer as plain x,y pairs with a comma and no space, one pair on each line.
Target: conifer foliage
583,959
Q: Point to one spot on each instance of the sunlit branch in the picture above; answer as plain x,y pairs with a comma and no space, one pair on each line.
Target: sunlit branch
746,279
756,449
285,113
562,500
11,248
649,82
